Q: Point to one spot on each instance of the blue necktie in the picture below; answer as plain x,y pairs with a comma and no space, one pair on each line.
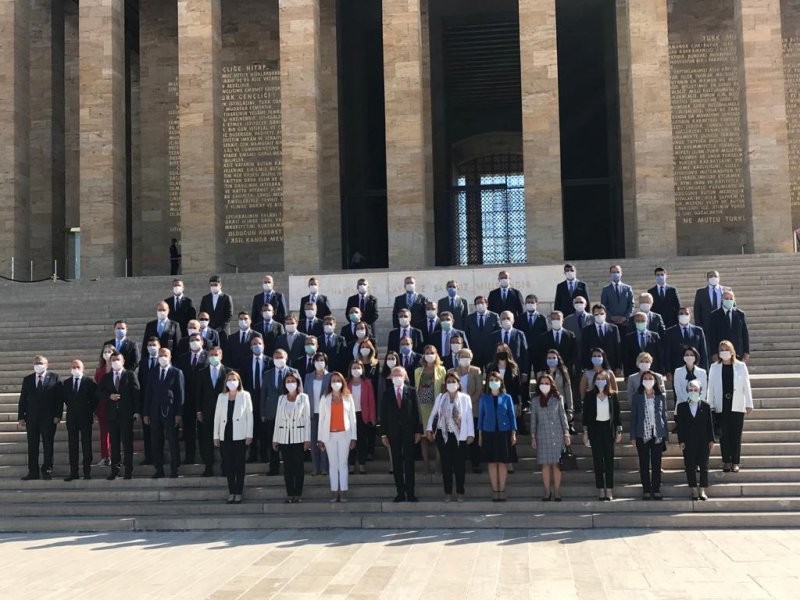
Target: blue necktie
214,375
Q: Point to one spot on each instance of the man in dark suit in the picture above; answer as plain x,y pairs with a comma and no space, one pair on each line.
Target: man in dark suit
401,428
39,411
479,329
405,329
457,343
447,331
305,364
729,323
681,336
666,301
568,290
706,300
168,332
252,374
181,309
558,338
120,389
310,324
211,336
617,297
80,396
191,365
219,307
366,303
164,400
514,339
210,384
269,328
430,327
192,327
269,297
454,304
124,345
409,359
333,345
237,346
323,308
506,297
148,364
270,392
600,334
533,324
641,340
655,322
411,300
292,341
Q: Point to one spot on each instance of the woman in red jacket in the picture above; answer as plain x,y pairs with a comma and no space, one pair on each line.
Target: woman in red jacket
105,439
363,394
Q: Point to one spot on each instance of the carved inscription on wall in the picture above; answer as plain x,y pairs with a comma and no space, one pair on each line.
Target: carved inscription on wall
790,27
252,154
706,97
174,158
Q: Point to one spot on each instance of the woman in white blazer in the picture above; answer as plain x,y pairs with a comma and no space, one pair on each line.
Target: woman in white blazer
450,424
730,397
689,372
233,431
337,433
292,435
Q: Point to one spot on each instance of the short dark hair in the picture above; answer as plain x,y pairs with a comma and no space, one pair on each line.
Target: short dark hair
215,279
658,269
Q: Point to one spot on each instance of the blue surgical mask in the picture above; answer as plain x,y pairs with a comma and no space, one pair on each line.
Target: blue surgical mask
214,361
446,326
615,277
121,333
405,350
661,279
727,304
641,326
257,349
310,349
355,318
451,291
494,385
597,361
552,363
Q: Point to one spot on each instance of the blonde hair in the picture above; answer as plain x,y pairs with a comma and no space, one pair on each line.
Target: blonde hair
727,345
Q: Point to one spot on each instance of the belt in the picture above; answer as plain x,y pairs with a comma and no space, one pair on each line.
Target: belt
337,430
728,396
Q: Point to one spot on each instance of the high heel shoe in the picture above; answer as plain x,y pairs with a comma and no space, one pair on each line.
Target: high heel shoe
547,497
501,495
495,496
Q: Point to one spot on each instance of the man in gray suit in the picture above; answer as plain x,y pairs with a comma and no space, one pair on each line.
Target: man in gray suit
454,304
576,323
617,297
270,392
292,341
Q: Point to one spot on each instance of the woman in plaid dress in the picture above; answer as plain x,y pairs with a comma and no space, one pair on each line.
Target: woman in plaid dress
549,432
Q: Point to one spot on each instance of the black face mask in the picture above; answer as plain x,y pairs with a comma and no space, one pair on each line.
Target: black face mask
502,356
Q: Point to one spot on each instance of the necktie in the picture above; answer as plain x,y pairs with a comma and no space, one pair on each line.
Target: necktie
571,287
256,374
452,305
616,290
530,320
277,379
116,381
686,334
160,328
730,318
403,333
163,374
446,345
152,363
39,382
361,304
505,337
409,300
480,321
580,320
194,360
661,290
75,388
313,298
399,394
504,295
641,341
716,298
241,337
430,327
214,375
558,338
328,341
119,344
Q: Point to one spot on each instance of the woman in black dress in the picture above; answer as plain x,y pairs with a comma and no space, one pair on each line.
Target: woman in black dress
497,433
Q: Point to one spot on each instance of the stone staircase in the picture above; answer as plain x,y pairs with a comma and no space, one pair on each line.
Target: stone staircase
64,320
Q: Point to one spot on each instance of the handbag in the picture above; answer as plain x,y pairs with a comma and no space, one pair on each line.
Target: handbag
568,461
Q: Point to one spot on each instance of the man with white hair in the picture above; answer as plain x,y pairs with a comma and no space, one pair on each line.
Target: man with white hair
80,396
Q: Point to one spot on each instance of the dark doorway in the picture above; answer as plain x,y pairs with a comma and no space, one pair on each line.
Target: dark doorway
589,124
362,139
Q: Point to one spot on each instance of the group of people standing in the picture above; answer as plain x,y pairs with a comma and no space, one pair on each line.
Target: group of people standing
282,385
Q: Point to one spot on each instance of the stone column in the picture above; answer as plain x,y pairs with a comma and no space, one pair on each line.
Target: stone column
299,22
102,137
767,158
647,116
541,139
200,118
410,206
72,121
14,132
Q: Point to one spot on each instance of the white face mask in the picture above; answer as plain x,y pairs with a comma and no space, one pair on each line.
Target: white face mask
279,363
291,386
429,358
152,351
506,324
600,319
648,384
689,360
530,307
232,384
163,361
291,328
555,324
503,282
195,345
319,365
570,275
244,325
452,387
684,319
214,289
544,388
356,372
645,307
481,308
313,289
398,381
403,321
161,315
106,355
362,289
191,331
455,348
365,352
336,386
644,366
177,290
77,373
267,287
464,362
725,354
310,314
391,363
361,333
579,307
203,323
267,316
410,287
431,314
713,281
116,365
328,329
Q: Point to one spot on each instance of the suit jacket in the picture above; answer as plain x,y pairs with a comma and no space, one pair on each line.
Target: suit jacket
742,393
80,406
336,352
668,306
502,418
680,381
315,329
298,347
695,431
609,342
184,313
210,337
425,328
144,372
417,308
129,402
302,366
183,347
190,377
631,349
41,406
733,329
417,339
563,301
567,348
436,340
299,428
674,346
654,323
169,338
220,317
703,307
243,421
532,332
519,348
269,333
590,412
617,305
513,302
638,415
270,392
208,392
481,338
370,313
163,400
237,354
129,351
460,311
273,298
323,308
410,364
572,323
249,377
400,421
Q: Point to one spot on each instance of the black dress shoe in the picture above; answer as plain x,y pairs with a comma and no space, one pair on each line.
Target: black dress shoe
657,496
47,476
411,498
400,498
111,477
645,495
128,476
157,475
30,477
146,461
173,475
273,473
87,476
71,477
208,472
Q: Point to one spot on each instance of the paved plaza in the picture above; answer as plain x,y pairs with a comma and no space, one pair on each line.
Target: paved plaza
630,564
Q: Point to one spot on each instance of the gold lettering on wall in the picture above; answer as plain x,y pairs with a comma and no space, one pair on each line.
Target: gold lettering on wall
790,26
174,159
